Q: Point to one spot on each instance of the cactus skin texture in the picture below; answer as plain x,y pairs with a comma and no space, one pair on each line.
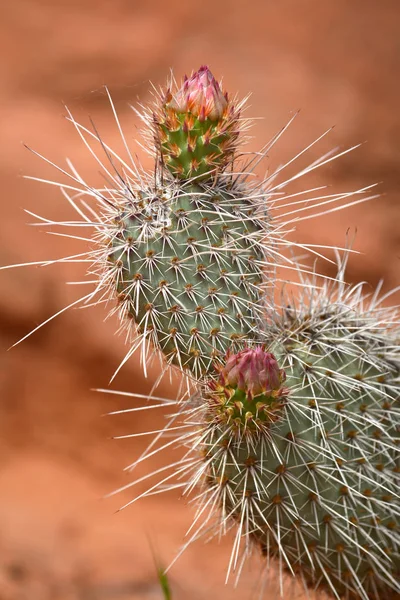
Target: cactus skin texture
188,268
313,477
196,127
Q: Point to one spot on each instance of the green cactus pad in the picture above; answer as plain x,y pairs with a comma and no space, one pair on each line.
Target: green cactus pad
187,266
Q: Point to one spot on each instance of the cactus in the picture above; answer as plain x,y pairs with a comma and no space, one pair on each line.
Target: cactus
300,444
297,408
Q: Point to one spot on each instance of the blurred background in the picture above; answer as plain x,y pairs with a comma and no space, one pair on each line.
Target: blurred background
337,61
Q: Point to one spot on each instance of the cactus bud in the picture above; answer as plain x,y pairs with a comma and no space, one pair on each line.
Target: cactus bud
249,394
254,371
201,95
196,128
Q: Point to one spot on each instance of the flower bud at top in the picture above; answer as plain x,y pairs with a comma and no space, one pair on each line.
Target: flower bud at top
254,371
201,95
196,128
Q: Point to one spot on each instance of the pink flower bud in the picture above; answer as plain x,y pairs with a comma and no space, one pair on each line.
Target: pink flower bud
201,95
254,371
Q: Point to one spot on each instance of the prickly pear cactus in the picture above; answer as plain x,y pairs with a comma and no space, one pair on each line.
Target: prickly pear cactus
301,444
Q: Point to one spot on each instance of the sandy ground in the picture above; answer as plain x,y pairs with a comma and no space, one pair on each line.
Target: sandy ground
338,62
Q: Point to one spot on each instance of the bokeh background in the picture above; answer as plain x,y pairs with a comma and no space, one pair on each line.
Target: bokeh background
336,60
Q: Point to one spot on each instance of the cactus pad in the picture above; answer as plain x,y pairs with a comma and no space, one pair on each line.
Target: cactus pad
187,265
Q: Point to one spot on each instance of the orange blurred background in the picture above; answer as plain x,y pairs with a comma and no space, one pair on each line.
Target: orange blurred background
339,62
